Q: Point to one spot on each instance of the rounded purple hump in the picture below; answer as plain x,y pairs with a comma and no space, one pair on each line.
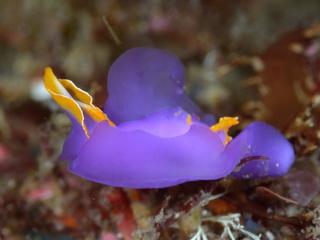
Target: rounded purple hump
143,81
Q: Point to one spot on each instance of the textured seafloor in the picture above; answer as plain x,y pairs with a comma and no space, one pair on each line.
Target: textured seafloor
254,59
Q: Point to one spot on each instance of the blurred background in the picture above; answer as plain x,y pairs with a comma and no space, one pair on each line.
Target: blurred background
254,59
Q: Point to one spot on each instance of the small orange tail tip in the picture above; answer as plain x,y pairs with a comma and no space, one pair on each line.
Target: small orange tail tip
224,124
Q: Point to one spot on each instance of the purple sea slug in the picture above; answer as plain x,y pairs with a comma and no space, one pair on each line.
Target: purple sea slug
149,134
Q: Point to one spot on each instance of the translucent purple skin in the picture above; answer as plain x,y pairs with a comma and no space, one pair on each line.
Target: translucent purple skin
261,141
137,158
156,147
143,81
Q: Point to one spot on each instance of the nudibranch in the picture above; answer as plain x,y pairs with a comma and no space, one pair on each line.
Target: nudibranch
150,134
